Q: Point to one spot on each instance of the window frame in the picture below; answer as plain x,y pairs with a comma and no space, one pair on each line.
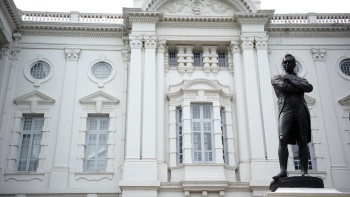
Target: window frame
202,132
224,135
225,60
98,133
30,132
28,67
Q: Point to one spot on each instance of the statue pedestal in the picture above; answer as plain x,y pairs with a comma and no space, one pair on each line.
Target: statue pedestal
296,182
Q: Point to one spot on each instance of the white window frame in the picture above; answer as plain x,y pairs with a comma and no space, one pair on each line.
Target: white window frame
30,132
202,120
101,82
28,75
338,64
98,134
179,136
224,136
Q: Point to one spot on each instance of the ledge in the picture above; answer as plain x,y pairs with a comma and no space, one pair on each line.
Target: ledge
94,176
24,176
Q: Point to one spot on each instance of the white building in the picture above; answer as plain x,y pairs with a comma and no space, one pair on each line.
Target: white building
170,98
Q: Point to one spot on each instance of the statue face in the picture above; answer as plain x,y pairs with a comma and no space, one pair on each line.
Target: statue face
289,65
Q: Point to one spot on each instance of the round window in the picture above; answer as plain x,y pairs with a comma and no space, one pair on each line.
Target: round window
101,70
40,70
344,67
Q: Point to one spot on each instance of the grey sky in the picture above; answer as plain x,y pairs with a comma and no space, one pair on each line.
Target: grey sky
114,6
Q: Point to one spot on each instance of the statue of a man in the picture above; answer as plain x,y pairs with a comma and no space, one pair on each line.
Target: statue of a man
294,117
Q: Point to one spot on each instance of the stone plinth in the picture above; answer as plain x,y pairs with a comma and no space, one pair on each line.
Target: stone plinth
297,182
307,192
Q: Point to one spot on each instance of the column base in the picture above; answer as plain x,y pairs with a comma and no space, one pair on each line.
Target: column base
59,177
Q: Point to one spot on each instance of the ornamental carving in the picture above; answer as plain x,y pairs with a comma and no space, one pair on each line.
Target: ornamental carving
319,54
176,6
72,54
198,7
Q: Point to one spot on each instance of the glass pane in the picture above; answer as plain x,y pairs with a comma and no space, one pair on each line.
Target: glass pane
101,165
104,123
25,146
33,165
197,141
196,126
207,111
197,59
92,146
197,156
208,156
27,123
207,141
102,70
102,146
92,124
40,70
172,59
206,126
90,165
196,112
39,122
36,146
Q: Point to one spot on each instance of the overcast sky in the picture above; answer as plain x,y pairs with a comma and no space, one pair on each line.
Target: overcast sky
115,6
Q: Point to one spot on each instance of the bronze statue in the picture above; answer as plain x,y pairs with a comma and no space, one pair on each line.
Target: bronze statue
294,116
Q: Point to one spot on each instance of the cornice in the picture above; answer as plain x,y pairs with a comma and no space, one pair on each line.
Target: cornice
308,30
184,21
13,14
71,29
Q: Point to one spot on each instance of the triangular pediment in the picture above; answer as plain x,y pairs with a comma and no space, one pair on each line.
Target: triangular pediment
309,100
34,96
201,8
345,101
99,97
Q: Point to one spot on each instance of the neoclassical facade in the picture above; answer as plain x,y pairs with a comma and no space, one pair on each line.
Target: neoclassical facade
172,98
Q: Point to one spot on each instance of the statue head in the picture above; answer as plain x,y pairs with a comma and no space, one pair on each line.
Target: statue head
289,63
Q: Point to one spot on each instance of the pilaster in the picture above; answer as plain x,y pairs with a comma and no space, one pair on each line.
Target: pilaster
267,102
339,169
243,140
59,173
160,102
254,114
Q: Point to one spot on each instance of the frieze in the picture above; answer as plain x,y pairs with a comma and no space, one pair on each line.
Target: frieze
198,8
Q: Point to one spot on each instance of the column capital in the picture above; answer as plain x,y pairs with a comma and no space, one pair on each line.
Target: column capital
261,42
247,42
235,46
319,54
161,46
135,41
150,42
126,55
72,54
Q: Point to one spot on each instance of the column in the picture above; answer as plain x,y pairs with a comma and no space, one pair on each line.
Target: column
133,124
149,100
243,141
59,173
161,98
257,149
186,130
217,132
267,101
339,169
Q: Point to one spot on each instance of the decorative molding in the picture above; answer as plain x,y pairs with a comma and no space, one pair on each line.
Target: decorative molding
24,177
261,42
247,42
94,176
136,41
319,54
72,54
150,42
99,100
34,99
161,46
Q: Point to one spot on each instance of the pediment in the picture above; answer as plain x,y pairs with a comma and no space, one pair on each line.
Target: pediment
345,101
32,97
309,100
201,84
99,97
201,8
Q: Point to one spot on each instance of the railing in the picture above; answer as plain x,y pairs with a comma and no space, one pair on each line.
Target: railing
71,17
311,18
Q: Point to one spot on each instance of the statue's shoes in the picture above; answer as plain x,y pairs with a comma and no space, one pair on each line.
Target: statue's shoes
280,175
305,174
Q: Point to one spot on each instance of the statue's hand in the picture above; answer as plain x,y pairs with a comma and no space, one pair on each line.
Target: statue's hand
287,80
